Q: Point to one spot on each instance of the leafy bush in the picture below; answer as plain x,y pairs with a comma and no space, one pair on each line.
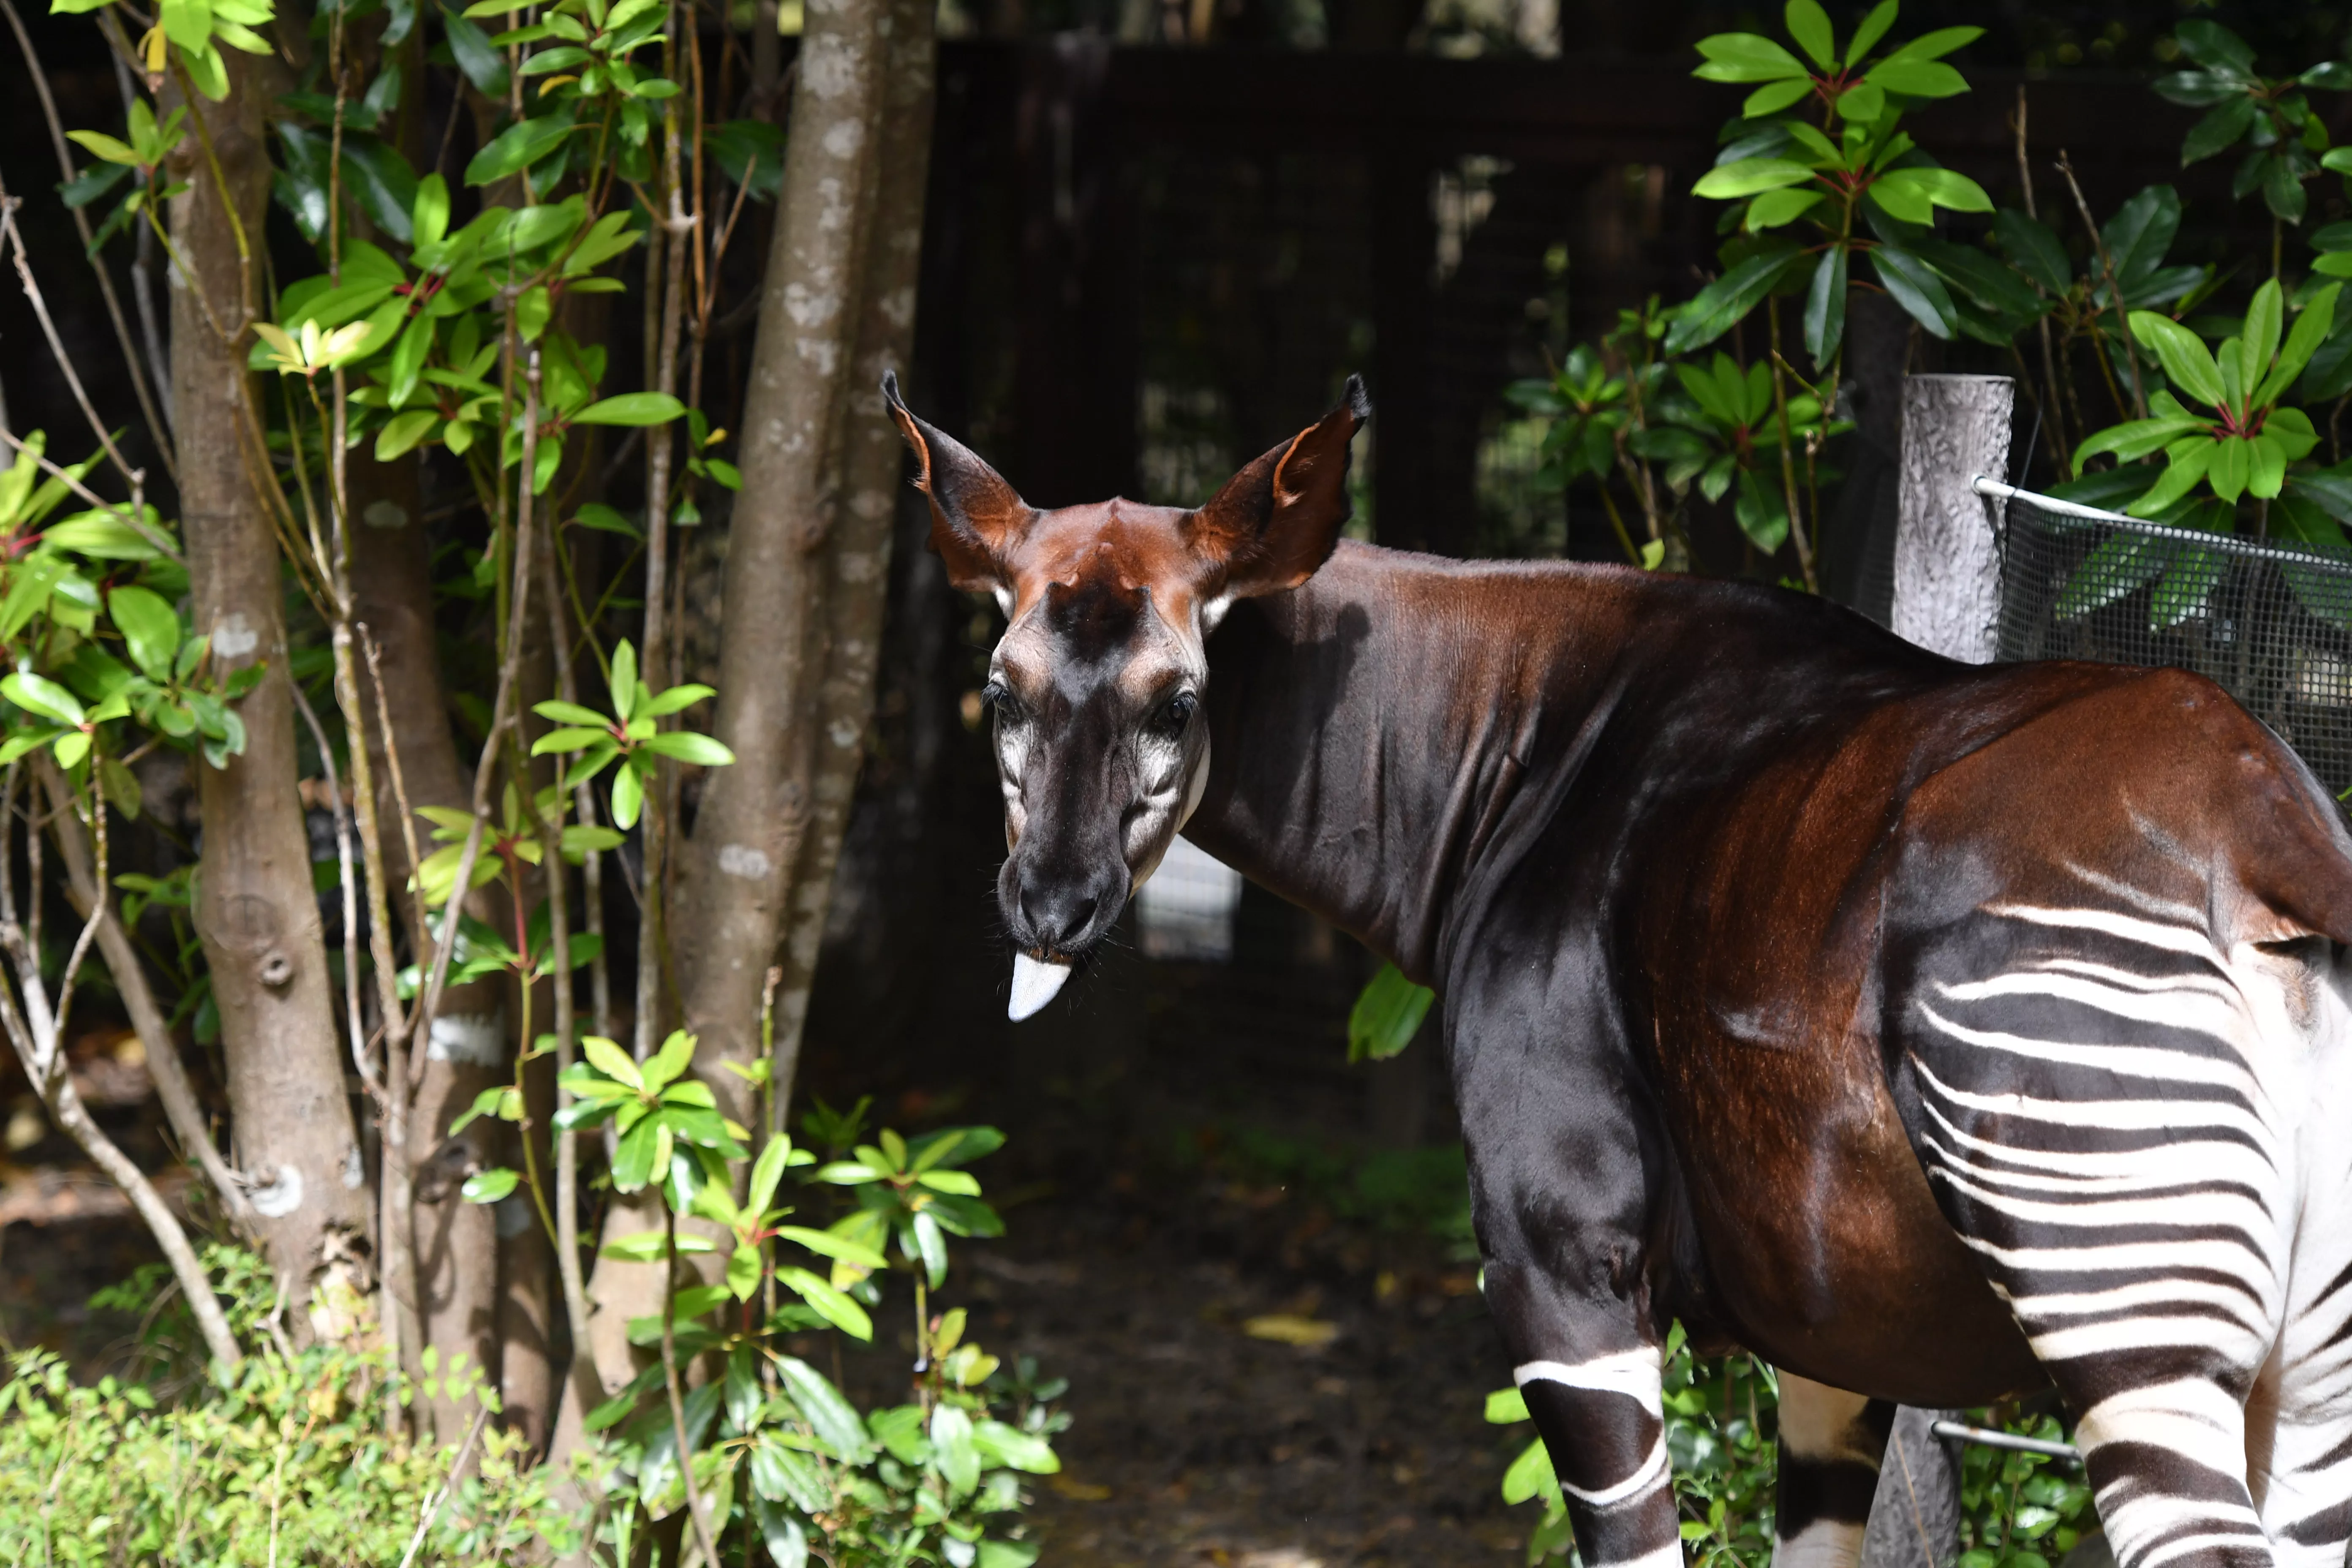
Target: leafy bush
282,1461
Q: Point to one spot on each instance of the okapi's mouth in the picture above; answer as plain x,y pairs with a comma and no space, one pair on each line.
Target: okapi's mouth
1036,981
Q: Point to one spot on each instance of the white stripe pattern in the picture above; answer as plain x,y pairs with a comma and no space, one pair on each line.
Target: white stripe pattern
2143,1136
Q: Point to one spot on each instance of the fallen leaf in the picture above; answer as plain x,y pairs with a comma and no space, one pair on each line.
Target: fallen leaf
1289,1329
1078,1491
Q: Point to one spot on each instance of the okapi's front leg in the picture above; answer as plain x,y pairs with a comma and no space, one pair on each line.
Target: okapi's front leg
1564,1165
1831,1444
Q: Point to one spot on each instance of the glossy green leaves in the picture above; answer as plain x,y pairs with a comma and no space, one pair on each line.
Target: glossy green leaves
2242,442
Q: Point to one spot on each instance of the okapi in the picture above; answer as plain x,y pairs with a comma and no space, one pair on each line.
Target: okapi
1933,1031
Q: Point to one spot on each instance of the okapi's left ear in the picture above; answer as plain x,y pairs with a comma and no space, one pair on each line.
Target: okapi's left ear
1276,520
977,518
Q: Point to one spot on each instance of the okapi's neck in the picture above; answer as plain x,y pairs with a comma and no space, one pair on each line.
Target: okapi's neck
1372,730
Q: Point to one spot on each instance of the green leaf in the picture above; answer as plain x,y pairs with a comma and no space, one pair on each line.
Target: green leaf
1745,56
1531,1474
518,147
1937,43
149,627
2215,48
664,1065
2232,465
1809,25
835,1306
2185,361
428,215
489,1186
835,1421
609,1058
953,1450
2189,460
105,146
2219,129
2259,342
829,1244
1386,1015
1775,96
1774,208
1916,77
632,408
1507,1406
628,797
1825,307
1725,302
1749,176
684,746
2311,329
2136,438
1759,513
2034,250
676,699
41,697
2265,466
1872,27
483,65
1916,288
1013,1448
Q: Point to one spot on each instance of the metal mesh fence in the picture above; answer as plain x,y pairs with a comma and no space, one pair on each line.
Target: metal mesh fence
2271,624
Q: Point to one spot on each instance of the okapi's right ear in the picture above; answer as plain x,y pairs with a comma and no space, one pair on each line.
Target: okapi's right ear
1274,522
976,517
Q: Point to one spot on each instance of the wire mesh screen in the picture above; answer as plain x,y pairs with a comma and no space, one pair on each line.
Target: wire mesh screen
2271,626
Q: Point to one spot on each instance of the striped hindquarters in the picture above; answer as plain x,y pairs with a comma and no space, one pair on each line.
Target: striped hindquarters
2098,1100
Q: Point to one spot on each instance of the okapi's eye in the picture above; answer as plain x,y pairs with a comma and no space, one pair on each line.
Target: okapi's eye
1174,714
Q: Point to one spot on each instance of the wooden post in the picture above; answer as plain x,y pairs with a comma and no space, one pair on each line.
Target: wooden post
1914,1520
1947,556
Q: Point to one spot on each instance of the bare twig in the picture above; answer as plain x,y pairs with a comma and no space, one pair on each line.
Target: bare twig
134,478
159,425
358,1030
33,1029
2115,289
172,1087
2048,353
501,715
448,1485
670,1381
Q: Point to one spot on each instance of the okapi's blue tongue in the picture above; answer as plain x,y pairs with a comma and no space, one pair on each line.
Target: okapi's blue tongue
1034,985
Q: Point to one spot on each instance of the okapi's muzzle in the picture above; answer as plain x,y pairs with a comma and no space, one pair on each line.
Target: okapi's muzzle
1097,682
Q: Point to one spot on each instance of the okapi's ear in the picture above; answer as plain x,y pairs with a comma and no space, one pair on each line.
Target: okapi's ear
1276,520
976,517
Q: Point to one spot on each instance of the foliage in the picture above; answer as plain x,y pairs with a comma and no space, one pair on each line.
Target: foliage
2286,139
1386,1015
1855,168
2242,439
773,1446
2020,1511
285,1460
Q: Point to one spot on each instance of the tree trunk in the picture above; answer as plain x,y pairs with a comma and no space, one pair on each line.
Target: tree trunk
857,551
255,913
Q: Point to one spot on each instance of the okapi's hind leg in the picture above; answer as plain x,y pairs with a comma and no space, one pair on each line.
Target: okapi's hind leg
1832,1443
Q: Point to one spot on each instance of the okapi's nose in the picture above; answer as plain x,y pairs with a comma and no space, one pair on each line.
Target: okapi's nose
1057,914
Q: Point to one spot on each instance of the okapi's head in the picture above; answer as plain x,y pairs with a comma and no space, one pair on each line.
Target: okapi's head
1098,679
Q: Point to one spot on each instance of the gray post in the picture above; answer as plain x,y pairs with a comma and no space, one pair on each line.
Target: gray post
1947,559
1914,1520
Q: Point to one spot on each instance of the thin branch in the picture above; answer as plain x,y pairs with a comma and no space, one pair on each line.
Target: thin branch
172,1087
159,540
33,1029
2115,289
448,1485
135,478
158,424
501,715
353,1024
